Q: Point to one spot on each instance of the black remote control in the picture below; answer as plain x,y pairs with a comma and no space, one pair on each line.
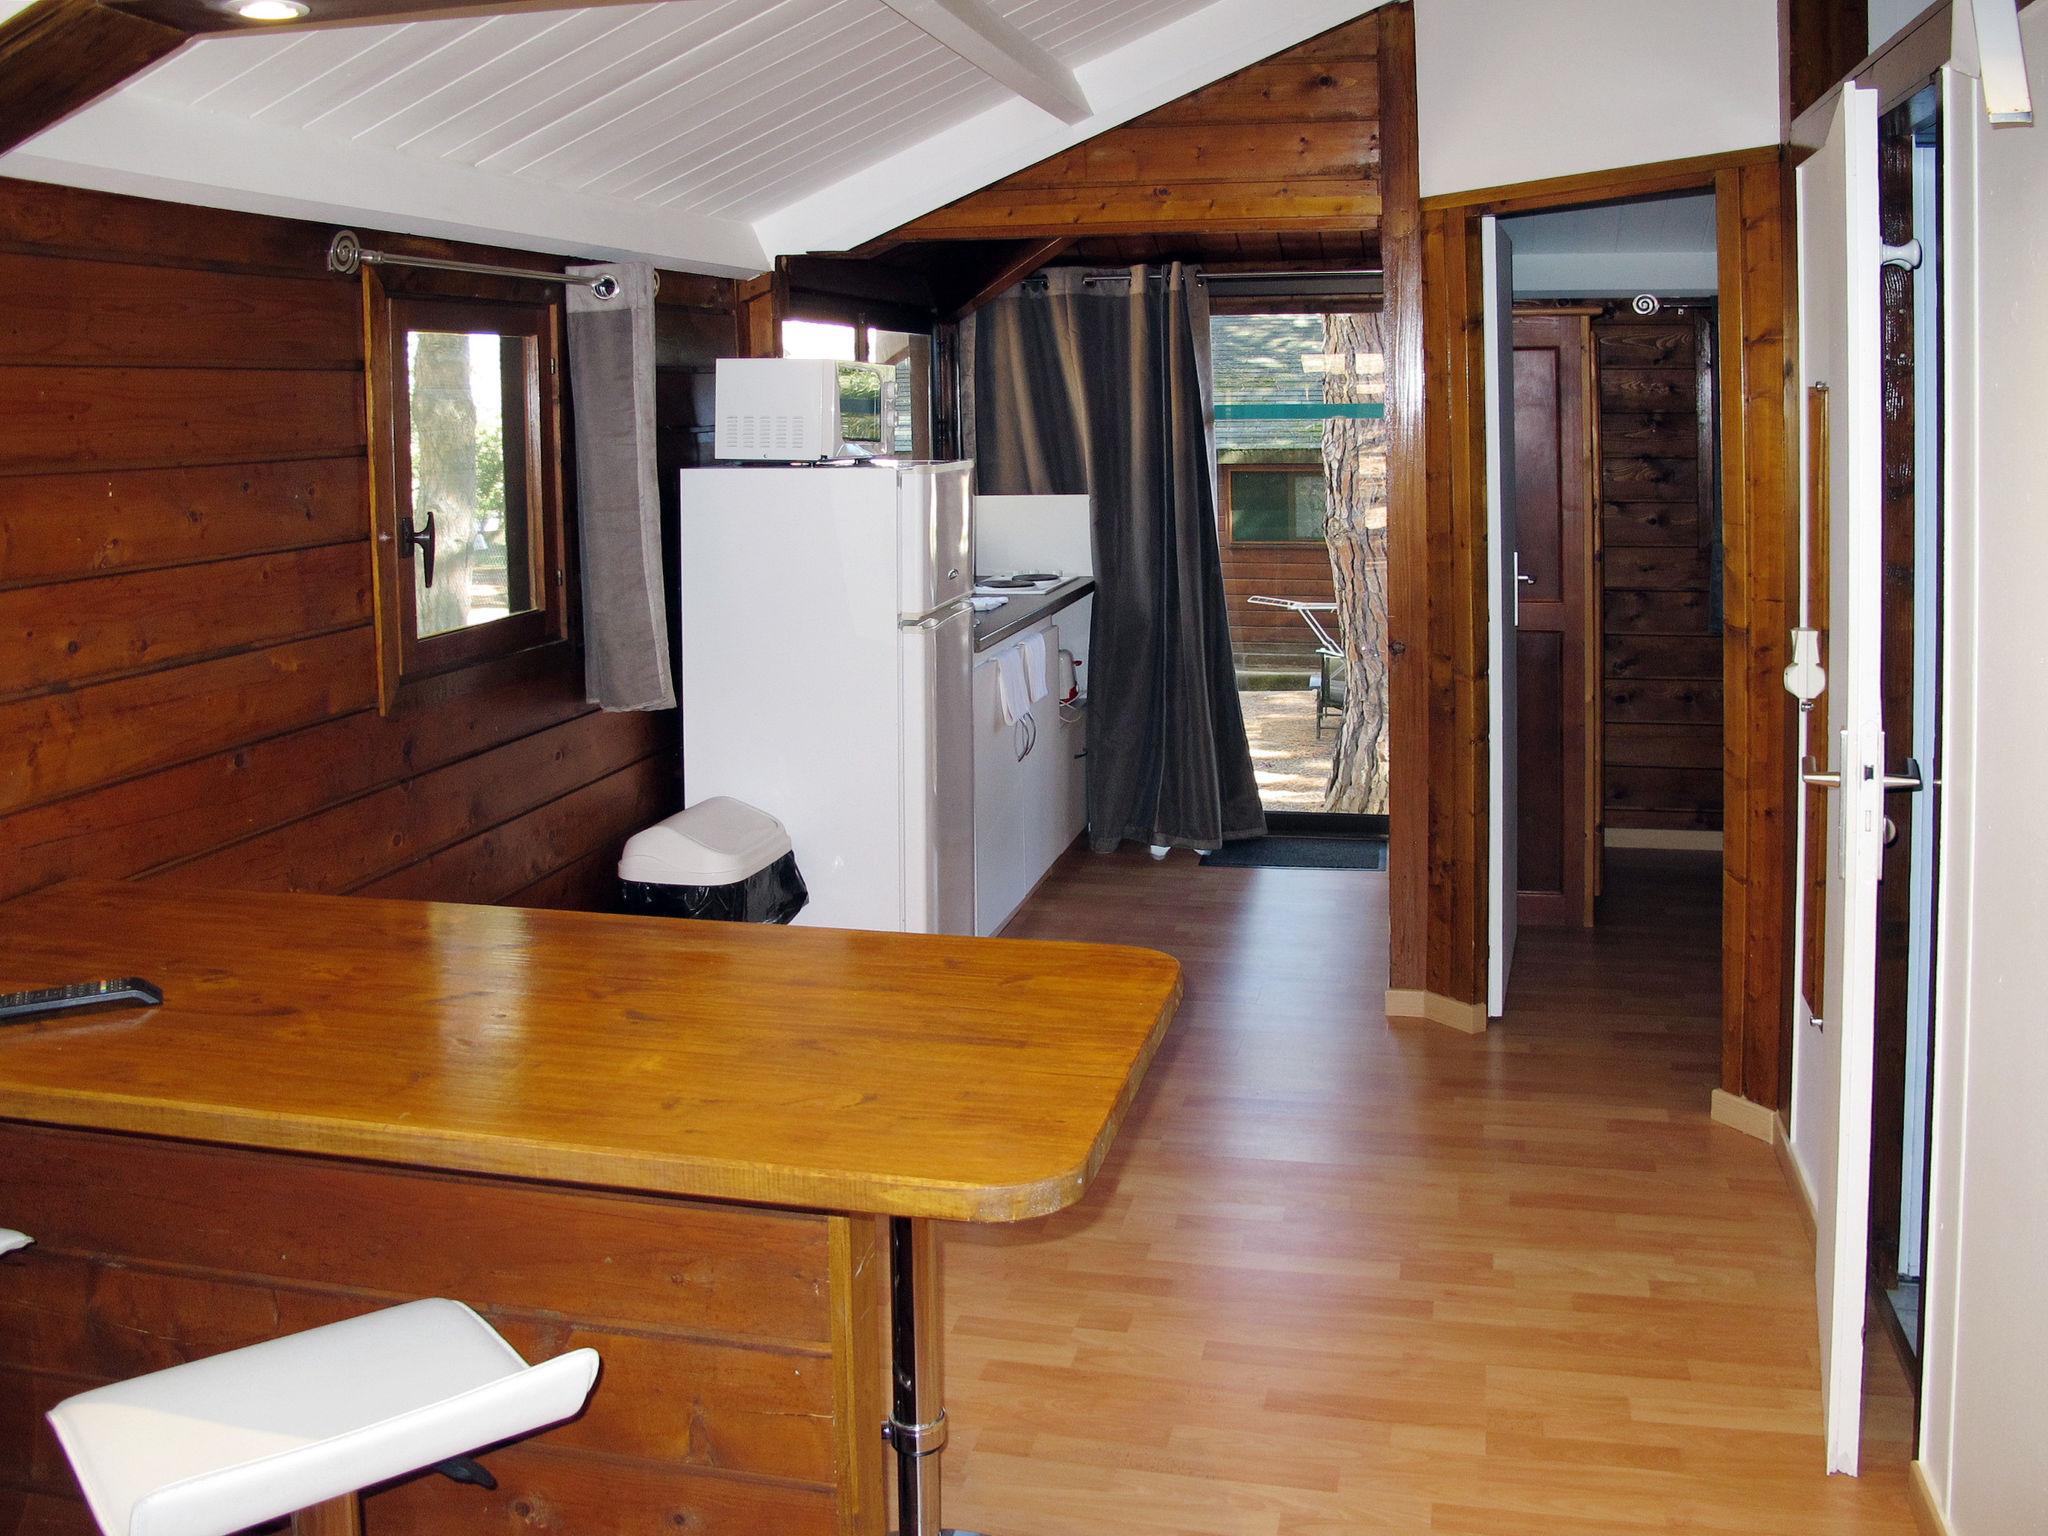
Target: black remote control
19,1007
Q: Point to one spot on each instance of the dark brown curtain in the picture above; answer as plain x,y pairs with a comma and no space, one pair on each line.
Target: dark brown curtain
1099,383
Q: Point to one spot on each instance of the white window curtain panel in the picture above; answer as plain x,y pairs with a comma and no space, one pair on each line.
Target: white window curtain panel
618,503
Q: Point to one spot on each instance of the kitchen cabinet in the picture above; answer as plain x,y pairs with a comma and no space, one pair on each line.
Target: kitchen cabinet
1030,784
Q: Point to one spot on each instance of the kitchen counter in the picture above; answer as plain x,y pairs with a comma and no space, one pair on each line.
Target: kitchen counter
808,1067
669,1140
995,625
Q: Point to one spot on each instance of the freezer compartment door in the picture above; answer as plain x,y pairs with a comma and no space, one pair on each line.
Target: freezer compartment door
938,773
935,533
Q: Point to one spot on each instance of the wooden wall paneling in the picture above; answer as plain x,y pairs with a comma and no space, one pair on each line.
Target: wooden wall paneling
721,1328
1821,42
58,55
1409,510
1273,570
1761,537
184,534
1657,553
1456,765
495,862
66,418
64,636
354,842
150,822
1277,155
590,884
66,743
761,307
130,314
58,527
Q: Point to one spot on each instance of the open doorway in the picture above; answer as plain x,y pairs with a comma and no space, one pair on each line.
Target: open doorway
1617,647
1301,478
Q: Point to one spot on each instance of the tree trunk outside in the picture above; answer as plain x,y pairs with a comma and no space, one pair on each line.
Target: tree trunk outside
1355,529
444,444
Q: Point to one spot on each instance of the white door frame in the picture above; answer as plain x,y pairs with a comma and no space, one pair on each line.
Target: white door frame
1503,872
1839,253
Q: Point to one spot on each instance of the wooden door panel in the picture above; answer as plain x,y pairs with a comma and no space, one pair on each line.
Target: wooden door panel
1539,499
1557,808
1540,681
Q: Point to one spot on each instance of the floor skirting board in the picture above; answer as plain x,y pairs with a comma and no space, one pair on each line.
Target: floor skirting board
1434,1008
1926,1512
1782,1142
1744,1115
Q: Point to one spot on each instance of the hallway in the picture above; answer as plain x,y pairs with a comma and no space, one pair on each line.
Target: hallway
1338,1276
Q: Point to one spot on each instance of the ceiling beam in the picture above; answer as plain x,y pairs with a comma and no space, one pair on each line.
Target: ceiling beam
1016,265
59,55
1001,52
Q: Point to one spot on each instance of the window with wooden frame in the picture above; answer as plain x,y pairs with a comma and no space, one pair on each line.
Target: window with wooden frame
1270,503
466,482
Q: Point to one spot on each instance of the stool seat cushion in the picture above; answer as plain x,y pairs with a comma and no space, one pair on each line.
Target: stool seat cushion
217,1445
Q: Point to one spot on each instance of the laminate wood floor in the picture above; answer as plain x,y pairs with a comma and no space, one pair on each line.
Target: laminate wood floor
1345,1276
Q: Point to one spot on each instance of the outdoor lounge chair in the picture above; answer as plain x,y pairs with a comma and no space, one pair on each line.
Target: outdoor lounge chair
1333,678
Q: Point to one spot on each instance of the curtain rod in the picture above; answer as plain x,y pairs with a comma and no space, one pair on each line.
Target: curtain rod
346,254
1315,274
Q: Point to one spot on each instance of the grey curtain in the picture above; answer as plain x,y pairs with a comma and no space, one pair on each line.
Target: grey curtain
618,505
1099,383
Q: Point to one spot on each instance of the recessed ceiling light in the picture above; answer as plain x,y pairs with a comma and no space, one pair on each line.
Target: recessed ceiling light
270,10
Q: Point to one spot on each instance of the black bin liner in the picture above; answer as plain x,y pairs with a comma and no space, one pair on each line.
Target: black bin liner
774,894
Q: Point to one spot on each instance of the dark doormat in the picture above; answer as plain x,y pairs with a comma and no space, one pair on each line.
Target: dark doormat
1301,853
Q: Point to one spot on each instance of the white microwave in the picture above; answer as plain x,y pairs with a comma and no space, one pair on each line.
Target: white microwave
792,410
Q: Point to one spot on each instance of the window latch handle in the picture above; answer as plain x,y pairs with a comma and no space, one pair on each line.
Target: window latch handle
411,538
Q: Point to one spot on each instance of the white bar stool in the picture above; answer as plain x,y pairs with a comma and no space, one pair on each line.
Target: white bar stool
300,1425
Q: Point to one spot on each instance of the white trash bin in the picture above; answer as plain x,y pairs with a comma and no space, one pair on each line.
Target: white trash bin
720,860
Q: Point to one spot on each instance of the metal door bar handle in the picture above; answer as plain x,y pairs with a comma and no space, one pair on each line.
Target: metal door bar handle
1810,773
1908,781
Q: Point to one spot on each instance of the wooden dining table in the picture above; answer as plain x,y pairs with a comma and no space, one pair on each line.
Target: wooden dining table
712,1152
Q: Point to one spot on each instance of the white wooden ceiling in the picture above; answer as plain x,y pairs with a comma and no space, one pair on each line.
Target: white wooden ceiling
689,131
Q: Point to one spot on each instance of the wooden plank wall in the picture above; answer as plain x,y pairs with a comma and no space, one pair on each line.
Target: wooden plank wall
1411,510
733,1375
1661,631
1754,220
1286,151
187,684
1274,570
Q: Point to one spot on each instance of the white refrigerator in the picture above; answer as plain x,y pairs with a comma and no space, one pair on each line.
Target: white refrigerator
827,677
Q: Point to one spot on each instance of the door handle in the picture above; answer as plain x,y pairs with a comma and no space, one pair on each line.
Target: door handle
1810,773
411,538
1908,782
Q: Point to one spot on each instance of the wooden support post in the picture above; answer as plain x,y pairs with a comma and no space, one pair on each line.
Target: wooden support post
337,1517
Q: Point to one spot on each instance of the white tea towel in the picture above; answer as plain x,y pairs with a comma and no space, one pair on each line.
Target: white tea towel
1011,685
1037,666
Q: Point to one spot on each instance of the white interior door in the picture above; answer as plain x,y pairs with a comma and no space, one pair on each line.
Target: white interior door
1503,877
1839,312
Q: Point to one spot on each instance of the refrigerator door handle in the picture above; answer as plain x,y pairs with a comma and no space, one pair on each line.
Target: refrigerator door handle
935,618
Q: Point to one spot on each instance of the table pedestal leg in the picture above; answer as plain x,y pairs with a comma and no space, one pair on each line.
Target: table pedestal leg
917,1421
